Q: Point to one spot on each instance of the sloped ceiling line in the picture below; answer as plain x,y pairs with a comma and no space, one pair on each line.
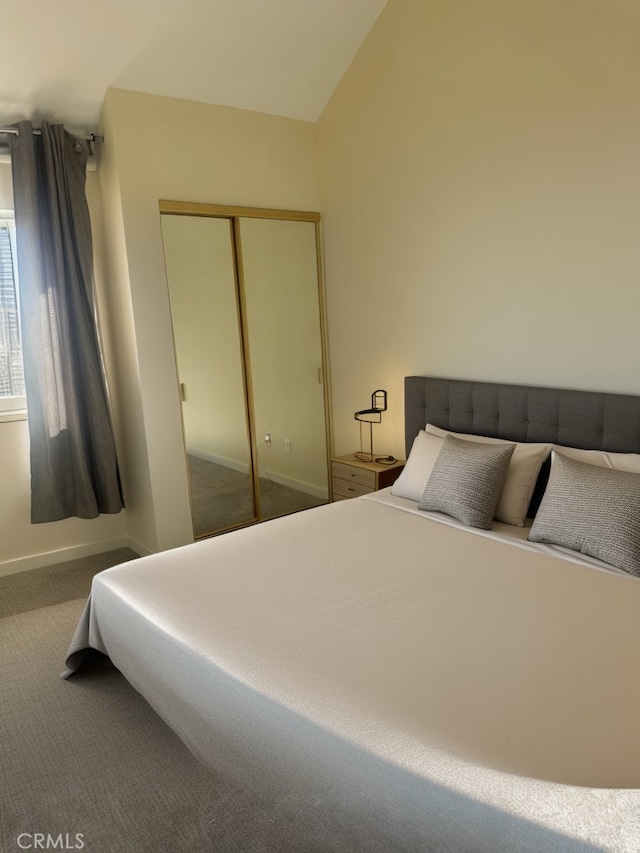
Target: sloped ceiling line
283,57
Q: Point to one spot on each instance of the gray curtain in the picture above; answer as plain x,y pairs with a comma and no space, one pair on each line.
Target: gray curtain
74,471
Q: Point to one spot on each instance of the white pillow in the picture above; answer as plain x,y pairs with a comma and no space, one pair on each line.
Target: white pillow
618,461
413,477
523,472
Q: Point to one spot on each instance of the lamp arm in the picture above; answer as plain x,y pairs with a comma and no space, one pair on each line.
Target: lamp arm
375,419
379,400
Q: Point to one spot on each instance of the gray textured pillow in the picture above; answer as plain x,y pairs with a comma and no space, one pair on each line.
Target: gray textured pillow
467,480
593,510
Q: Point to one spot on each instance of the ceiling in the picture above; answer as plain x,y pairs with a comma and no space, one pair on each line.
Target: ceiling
283,57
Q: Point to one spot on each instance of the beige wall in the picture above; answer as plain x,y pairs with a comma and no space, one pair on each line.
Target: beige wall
6,187
115,307
479,180
187,151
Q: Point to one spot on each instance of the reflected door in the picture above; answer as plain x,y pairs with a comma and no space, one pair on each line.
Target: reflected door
201,275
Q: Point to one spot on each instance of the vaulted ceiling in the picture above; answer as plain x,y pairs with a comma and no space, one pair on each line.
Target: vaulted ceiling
283,57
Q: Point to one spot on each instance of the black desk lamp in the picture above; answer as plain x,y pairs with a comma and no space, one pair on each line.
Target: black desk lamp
372,416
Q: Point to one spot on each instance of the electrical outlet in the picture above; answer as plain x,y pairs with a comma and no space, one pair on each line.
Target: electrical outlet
287,445
267,439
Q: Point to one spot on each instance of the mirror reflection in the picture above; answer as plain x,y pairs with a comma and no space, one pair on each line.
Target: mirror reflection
246,309
204,311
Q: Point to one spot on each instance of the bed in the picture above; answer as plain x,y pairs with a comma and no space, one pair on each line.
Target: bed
421,683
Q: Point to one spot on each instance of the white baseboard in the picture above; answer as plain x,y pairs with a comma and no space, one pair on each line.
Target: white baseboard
308,488
141,550
38,561
219,460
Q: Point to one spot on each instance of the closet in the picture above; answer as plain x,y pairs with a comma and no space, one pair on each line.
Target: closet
247,308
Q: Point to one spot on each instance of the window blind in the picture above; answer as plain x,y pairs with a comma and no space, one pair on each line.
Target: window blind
11,374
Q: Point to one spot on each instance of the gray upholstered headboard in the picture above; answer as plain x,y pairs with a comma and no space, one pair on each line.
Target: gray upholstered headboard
584,419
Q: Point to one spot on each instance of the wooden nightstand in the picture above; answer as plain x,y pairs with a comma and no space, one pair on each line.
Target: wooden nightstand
350,477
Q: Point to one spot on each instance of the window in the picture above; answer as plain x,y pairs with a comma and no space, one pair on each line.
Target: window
12,394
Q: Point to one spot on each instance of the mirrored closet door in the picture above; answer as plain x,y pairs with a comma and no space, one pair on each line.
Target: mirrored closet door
247,307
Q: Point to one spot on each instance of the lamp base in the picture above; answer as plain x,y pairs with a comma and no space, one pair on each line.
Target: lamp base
369,457
386,460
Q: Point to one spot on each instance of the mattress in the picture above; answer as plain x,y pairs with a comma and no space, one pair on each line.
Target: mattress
429,685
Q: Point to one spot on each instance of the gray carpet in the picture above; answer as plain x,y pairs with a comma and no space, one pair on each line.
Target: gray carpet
54,584
222,497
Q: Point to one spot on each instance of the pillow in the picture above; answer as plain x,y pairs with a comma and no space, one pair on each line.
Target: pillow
467,480
413,477
618,461
523,473
593,510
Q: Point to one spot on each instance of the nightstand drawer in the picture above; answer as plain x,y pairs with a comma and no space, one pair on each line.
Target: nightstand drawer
345,489
353,476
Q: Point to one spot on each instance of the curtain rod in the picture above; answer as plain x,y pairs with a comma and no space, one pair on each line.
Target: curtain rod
92,137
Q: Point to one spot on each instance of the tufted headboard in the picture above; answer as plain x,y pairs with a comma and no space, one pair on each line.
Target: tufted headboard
585,419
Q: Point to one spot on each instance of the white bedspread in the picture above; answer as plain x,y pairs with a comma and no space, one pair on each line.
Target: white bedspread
448,687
